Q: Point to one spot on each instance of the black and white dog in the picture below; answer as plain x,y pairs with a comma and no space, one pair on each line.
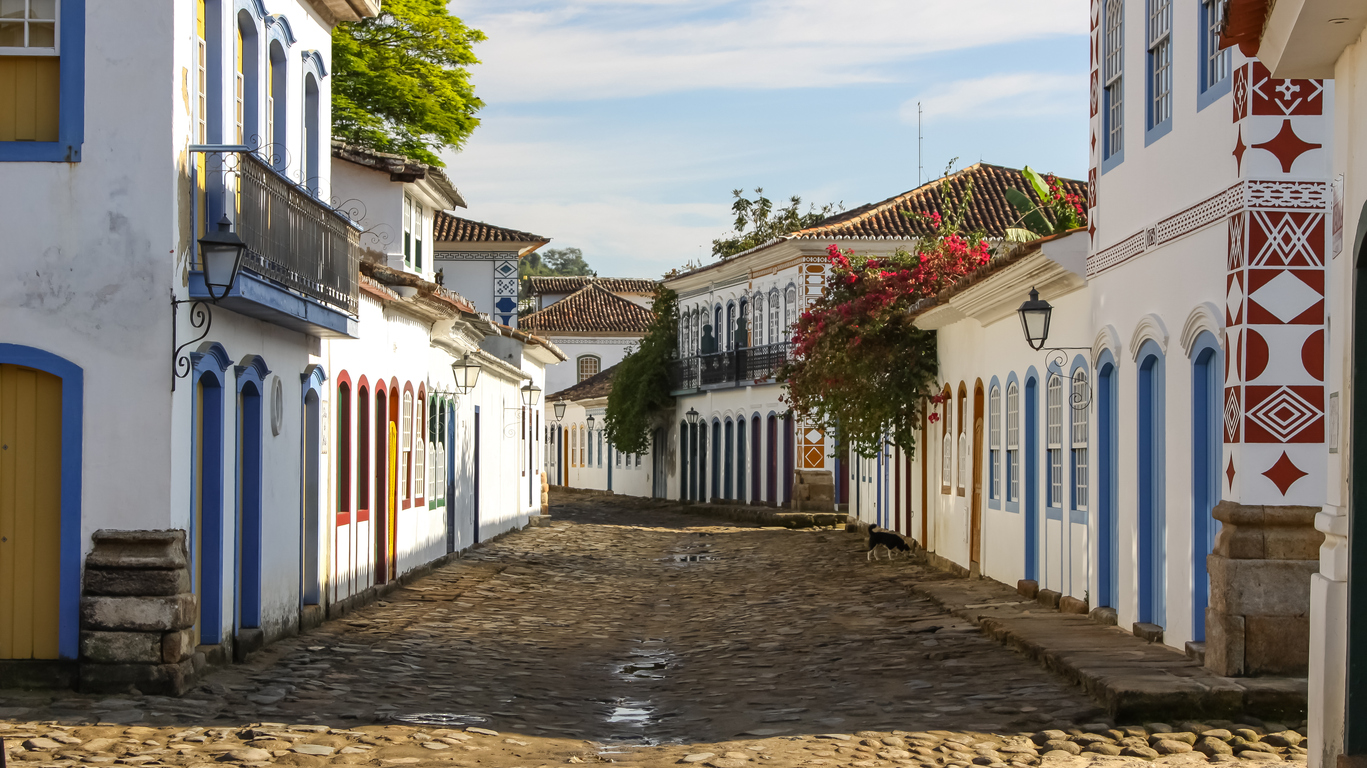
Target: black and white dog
889,540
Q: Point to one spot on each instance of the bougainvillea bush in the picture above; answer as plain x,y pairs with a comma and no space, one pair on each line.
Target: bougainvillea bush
860,369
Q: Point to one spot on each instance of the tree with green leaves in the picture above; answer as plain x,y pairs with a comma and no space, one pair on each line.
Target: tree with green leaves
401,81
1056,212
758,221
640,387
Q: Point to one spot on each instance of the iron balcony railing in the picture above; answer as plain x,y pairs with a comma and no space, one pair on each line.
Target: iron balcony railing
292,237
737,367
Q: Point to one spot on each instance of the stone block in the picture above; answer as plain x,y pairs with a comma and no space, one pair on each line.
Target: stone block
121,647
158,679
1224,643
1145,631
1105,615
1260,587
1267,533
1027,588
163,550
1070,604
1048,598
1196,652
138,614
125,581
813,490
246,642
1277,645
310,616
177,646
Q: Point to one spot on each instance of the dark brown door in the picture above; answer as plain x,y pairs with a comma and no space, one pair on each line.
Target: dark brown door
975,448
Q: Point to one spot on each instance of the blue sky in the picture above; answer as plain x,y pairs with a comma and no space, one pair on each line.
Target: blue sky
621,126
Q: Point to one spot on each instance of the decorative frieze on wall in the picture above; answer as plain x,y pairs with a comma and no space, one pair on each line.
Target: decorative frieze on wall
505,292
1274,399
811,440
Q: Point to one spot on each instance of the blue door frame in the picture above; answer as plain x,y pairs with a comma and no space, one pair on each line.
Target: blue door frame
1205,470
1108,544
1031,408
1149,454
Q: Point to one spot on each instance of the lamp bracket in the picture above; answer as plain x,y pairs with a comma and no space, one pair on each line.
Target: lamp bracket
201,317
1057,357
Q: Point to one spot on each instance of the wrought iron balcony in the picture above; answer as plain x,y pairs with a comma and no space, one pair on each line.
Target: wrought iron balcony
294,240
737,367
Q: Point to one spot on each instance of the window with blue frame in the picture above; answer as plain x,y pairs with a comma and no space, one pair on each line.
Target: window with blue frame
1013,442
42,80
1113,114
1054,437
994,431
1215,63
1159,41
1079,440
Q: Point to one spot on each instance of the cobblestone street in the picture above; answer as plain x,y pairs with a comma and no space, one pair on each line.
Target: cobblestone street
637,635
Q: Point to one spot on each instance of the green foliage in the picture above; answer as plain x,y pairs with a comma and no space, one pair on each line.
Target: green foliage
555,261
1057,211
400,80
640,387
758,221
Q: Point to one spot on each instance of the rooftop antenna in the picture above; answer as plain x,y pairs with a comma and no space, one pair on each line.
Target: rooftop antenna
920,167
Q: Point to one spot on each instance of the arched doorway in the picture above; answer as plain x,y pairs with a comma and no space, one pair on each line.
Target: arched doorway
975,525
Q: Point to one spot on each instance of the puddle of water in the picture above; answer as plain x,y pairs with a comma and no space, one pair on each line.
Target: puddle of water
445,719
635,713
691,558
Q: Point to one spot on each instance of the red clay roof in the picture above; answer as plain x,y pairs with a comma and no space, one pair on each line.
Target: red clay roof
591,309
455,229
989,210
595,386
1243,26
541,284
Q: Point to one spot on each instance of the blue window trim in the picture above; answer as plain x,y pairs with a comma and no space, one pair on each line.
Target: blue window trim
69,537
70,99
1107,474
278,28
1030,476
1207,94
1154,132
1206,450
210,363
1151,443
1110,160
252,372
1009,505
995,466
1075,515
1053,508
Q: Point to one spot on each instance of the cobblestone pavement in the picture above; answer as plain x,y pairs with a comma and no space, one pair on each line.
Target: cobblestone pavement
630,633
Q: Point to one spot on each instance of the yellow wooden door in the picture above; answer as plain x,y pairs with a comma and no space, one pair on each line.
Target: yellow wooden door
30,512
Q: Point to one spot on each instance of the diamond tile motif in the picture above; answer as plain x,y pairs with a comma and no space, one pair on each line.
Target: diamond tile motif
1285,296
814,435
1234,300
1284,473
1229,473
1233,416
1286,239
1284,414
506,268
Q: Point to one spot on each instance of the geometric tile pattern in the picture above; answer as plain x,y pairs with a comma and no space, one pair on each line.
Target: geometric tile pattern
811,445
1284,97
505,292
1285,414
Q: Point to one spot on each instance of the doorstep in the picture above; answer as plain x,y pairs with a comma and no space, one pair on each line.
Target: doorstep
1136,681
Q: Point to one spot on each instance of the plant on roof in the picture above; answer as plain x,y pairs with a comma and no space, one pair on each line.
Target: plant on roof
860,368
640,388
1057,211
401,81
758,221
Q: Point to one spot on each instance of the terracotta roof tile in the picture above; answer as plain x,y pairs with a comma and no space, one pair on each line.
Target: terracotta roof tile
541,284
595,386
591,309
455,229
989,210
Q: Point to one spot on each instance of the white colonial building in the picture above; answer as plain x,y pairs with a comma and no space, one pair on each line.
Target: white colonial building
595,325
204,428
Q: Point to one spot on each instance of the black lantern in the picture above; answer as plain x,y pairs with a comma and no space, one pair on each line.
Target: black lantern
590,422
220,253
692,417
560,410
466,374
1035,320
530,394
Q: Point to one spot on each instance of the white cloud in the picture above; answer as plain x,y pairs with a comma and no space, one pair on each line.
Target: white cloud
1022,93
605,49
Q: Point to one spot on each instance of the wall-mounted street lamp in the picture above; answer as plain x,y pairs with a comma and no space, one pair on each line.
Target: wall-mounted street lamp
1035,314
559,408
692,417
530,394
220,256
589,422
466,373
